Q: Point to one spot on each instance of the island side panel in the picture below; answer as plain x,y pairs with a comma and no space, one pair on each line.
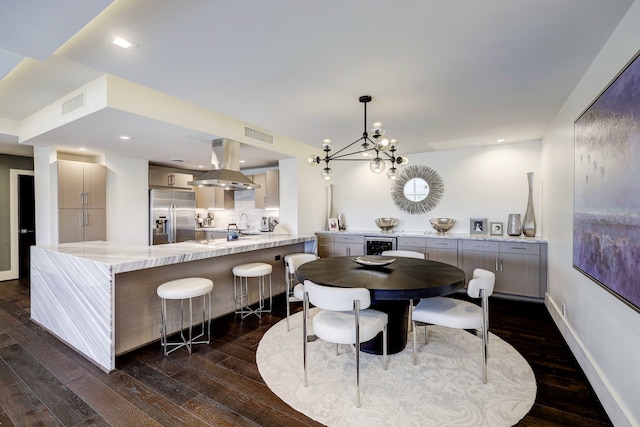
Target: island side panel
71,297
137,305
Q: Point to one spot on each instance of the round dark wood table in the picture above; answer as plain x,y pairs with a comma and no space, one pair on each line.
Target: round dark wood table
391,286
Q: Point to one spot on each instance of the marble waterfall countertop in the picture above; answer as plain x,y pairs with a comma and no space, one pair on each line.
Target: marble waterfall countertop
121,258
77,289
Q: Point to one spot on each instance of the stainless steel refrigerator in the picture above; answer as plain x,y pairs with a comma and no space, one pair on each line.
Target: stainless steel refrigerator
172,216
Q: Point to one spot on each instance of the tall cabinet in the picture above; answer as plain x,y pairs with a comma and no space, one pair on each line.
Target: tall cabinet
82,201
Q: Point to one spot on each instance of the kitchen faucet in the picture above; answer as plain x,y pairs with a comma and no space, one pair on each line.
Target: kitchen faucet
246,221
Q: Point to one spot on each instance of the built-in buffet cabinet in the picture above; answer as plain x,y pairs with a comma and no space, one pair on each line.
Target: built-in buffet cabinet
520,265
82,201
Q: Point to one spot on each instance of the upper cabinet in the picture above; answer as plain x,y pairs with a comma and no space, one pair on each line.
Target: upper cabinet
214,198
81,185
159,177
82,201
268,195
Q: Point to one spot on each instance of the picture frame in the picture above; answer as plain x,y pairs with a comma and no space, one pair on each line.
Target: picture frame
606,225
496,228
478,226
333,224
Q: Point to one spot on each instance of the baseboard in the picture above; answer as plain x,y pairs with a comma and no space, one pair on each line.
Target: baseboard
614,407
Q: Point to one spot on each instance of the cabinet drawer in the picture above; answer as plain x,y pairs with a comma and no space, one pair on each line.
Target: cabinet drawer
323,238
442,244
418,242
349,239
520,248
480,245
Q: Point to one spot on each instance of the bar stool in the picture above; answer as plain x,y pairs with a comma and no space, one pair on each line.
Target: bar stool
187,288
241,275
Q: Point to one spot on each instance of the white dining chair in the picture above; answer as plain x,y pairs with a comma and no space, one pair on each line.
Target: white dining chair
295,292
406,254
403,253
344,318
460,314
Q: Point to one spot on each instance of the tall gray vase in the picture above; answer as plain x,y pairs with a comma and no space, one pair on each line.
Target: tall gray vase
529,220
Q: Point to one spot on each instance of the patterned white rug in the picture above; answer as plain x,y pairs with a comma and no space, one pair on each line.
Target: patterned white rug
444,389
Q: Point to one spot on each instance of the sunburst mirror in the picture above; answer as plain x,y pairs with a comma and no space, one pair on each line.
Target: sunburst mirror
418,189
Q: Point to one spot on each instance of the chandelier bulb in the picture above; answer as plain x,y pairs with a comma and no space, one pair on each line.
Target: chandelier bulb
377,165
377,129
392,173
313,160
327,173
327,145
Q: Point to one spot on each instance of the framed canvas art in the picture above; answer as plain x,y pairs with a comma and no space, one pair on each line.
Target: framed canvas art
606,214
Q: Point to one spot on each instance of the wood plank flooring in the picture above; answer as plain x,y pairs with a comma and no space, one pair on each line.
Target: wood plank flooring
43,382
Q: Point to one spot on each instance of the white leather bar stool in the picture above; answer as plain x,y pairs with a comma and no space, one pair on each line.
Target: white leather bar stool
241,275
182,289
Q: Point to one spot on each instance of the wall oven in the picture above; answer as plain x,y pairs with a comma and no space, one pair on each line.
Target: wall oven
375,245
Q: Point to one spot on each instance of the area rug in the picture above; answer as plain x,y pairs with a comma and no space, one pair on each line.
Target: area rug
444,388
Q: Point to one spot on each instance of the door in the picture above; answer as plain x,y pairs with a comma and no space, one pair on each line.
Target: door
26,223
184,203
159,204
10,268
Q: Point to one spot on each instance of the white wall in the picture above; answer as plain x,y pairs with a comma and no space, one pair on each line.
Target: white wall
127,200
484,182
603,333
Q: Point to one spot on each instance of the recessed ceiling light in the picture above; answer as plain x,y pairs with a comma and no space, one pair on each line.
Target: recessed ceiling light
82,149
125,137
123,43
200,166
500,140
243,161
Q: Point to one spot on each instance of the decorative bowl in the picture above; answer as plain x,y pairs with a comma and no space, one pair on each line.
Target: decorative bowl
386,224
442,225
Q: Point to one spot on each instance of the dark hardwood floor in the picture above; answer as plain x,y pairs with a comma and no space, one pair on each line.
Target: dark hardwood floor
43,382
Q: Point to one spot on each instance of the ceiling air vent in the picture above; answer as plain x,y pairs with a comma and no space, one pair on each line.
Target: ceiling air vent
75,103
256,134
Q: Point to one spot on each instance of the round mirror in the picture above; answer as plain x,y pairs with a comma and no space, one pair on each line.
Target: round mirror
418,189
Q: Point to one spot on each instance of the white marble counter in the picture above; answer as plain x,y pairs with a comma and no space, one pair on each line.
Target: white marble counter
434,235
121,258
100,297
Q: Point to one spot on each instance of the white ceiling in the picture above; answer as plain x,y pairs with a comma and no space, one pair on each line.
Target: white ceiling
443,74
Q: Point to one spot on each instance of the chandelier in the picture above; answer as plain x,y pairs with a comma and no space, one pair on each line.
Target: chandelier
381,148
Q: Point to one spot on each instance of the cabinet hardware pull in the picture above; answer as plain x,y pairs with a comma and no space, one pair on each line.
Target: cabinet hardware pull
82,198
86,218
80,219
497,264
501,265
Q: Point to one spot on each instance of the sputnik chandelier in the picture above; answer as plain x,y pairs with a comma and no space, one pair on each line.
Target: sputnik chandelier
382,148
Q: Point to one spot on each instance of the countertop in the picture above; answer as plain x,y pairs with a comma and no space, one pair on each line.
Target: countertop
433,234
122,258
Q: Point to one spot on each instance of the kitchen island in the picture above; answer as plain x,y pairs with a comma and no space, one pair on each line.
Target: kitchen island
100,297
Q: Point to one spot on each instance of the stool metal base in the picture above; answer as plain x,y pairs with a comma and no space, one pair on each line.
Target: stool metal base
241,297
184,342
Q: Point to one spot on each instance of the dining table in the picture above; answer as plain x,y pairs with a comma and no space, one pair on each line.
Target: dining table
394,282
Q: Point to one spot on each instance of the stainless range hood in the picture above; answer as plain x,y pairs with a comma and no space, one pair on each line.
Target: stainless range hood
227,173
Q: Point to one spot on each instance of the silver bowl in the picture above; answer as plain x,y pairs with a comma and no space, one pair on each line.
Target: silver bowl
442,225
386,224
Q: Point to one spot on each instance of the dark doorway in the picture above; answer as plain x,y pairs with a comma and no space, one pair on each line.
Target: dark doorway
26,223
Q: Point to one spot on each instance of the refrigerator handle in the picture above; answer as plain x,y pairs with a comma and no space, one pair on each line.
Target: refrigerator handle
172,226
